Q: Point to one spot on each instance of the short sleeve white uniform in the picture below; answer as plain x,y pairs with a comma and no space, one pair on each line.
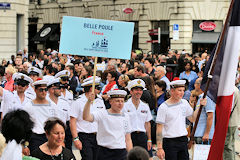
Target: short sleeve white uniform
11,101
63,107
76,111
40,113
138,116
112,129
173,118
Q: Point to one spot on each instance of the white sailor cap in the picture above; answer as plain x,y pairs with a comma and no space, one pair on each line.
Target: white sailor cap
91,78
136,83
117,93
89,81
40,82
54,52
64,73
54,81
177,83
33,70
21,76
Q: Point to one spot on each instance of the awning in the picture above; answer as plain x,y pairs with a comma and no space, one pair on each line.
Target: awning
205,37
45,32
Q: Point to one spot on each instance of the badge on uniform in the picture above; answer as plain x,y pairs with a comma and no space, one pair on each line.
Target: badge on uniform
143,111
100,107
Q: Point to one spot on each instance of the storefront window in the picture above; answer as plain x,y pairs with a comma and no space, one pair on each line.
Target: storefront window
205,36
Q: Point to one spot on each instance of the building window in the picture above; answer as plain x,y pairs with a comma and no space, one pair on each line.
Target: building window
165,41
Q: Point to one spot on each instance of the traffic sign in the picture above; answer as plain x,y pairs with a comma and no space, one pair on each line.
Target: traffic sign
175,31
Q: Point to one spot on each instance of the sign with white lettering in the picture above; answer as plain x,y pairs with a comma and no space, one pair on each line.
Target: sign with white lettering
95,37
5,6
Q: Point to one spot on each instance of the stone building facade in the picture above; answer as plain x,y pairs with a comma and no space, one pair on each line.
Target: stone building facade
147,15
13,27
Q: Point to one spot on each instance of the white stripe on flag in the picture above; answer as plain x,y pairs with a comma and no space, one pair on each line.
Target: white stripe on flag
230,61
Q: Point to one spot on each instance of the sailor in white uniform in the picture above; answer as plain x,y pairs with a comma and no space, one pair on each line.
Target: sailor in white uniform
171,131
17,99
113,134
40,109
54,96
64,79
140,116
68,96
34,73
54,93
84,132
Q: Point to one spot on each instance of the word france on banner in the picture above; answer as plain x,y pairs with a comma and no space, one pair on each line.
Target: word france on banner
95,37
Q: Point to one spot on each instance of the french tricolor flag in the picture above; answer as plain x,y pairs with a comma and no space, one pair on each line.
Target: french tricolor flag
221,87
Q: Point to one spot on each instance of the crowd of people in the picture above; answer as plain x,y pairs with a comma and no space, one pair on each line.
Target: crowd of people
149,101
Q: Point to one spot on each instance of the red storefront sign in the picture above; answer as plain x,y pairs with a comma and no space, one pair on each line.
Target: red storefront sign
207,26
127,10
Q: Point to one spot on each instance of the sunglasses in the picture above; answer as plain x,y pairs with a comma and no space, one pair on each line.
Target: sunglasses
98,87
64,78
43,89
22,84
57,88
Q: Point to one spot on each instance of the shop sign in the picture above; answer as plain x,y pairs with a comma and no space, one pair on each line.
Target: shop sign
127,10
207,26
45,32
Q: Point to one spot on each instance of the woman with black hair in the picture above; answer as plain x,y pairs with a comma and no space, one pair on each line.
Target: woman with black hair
160,87
188,73
17,129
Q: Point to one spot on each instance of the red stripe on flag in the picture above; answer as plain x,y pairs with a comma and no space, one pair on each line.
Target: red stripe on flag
223,111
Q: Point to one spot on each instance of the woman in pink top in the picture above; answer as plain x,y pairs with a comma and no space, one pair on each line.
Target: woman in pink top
9,71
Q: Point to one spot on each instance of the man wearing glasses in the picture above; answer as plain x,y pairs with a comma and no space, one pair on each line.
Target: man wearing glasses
15,100
40,109
54,93
64,79
84,132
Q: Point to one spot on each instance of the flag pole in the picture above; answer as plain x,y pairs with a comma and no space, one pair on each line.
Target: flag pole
211,70
94,73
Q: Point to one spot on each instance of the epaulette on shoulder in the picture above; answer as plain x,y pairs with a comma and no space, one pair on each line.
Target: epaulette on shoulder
76,98
29,93
62,99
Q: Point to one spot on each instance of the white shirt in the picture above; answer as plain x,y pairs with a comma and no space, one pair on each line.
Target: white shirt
173,118
112,129
40,113
11,101
68,97
76,111
63,107
138,116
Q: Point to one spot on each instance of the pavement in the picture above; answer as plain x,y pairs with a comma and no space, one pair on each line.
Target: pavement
76,153
237,148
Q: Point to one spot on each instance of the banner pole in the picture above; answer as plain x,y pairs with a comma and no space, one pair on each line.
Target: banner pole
94,74
211,70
